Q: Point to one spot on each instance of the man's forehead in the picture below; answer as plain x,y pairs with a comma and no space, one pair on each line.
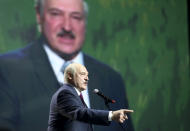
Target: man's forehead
82,69
65,4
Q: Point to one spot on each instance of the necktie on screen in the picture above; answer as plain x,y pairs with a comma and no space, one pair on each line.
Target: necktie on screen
64,66
81,97
62,71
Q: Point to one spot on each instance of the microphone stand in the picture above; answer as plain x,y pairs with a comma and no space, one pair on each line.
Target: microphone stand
107,104
108,107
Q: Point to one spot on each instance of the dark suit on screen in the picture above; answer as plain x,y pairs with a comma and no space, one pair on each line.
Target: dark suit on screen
27,83
68,113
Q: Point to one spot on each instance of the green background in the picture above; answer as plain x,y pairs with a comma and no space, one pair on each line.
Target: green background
145,40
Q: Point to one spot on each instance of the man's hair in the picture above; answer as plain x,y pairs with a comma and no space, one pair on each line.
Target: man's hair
71,69
40,3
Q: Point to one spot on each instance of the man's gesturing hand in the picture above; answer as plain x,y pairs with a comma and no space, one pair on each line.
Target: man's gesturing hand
120,115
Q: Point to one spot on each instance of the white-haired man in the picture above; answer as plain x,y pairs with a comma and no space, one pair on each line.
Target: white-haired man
68,111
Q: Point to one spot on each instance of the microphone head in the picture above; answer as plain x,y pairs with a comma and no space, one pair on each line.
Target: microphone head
96,91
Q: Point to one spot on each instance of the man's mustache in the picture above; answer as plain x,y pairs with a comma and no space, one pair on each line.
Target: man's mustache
66,33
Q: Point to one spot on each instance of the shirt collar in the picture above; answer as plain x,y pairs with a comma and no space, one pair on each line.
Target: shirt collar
57,62
78,92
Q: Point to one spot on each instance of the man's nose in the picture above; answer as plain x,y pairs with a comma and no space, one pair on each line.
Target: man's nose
86,78
66,24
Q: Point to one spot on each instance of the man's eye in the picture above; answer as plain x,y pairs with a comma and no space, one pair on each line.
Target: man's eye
54,13
77,17
82,74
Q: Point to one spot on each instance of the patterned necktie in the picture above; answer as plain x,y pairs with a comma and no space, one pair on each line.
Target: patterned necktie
81,97
62,70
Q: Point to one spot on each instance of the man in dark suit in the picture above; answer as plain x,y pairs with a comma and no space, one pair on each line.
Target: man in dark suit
30,76
68,111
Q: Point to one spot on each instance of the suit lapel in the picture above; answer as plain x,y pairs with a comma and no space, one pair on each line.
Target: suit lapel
42,67
72,89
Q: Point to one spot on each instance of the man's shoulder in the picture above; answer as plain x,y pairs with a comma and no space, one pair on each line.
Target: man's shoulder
20,52
15,54
19,55
65,88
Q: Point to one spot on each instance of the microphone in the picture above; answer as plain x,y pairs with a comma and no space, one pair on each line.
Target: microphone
96,91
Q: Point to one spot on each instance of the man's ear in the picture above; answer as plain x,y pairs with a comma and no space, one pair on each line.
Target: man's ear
70,76
38,15
39,18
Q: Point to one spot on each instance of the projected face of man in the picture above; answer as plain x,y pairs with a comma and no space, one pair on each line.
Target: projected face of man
63,24
81,78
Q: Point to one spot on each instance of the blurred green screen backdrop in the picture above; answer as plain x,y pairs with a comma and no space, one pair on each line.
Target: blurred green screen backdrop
145,40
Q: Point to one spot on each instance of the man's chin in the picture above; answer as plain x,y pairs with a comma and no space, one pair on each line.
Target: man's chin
67,55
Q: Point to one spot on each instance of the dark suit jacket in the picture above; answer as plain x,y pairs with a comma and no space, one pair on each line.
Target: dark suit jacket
27,83
68,113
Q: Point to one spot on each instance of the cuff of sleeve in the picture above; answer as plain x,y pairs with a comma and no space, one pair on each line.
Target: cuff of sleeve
110,116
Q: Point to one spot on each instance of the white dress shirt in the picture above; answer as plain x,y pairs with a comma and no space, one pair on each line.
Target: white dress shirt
57,62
